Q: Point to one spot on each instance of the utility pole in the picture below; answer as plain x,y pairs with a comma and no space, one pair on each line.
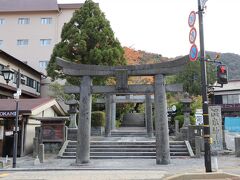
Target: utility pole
15,141
206,128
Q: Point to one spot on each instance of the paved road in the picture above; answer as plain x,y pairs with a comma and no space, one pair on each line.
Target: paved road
112,169
84,175
116,169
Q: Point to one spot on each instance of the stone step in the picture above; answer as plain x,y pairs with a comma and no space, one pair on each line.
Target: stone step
128,146
177,143
128,135
128,132
127,149
127,154
124,157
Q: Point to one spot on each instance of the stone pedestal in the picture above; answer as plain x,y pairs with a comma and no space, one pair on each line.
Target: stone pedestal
176,127
198,143
41,153
237,146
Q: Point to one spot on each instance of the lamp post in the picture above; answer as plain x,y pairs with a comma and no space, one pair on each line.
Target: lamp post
207,150
8,74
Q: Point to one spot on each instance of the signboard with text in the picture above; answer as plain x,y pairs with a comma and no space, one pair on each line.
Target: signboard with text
53,132
8,114
215,123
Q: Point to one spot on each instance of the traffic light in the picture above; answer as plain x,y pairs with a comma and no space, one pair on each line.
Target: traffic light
222,74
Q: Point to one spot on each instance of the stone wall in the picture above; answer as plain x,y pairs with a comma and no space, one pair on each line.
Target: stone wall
52,147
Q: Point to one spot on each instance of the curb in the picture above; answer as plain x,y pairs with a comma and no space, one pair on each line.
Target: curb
78,169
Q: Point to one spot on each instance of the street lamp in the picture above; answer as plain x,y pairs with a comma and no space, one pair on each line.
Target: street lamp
8,74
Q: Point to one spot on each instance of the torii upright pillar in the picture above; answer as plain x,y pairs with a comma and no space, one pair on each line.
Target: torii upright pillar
161,122
84,122
108,107
148,111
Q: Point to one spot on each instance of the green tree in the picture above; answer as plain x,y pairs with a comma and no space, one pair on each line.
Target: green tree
87,39
57,91
191,77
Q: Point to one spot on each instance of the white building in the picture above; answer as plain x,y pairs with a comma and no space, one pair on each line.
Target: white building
29,29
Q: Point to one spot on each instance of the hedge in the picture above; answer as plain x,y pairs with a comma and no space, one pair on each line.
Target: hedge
98,119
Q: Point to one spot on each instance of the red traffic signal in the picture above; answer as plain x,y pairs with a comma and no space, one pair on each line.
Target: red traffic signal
222,74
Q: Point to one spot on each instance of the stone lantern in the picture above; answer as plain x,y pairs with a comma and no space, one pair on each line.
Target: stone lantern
186,112
186,109
72,111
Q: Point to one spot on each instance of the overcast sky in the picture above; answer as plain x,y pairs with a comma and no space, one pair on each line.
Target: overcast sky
161,26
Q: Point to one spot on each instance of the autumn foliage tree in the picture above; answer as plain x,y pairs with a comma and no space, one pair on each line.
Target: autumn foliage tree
87,39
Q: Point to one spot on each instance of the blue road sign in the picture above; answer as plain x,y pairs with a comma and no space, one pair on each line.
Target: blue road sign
192,35
193,54
192,18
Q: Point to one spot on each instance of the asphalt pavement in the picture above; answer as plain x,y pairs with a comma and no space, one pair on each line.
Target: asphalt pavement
119,168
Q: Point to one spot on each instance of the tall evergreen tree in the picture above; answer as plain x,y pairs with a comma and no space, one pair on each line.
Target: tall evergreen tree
87,39
191,77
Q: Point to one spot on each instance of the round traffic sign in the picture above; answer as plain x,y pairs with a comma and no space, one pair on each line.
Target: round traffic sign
192,35
192,18
193,54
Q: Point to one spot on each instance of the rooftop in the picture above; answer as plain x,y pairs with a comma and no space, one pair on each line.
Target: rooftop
30,106
25,105
28,5
231,86
34,5
18,62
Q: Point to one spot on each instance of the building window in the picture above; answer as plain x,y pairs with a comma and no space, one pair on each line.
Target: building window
46,20
45,42
23,20
43,64
1,43
22,42
30,82
2,21
224,99
38,86
231,99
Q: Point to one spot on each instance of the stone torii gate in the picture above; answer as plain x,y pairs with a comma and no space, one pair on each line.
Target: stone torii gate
148,99
121,73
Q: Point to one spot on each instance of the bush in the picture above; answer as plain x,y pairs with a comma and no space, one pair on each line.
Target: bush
180,118
118,123
98,119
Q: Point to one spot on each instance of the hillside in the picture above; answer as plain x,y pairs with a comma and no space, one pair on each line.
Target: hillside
141,57
232,61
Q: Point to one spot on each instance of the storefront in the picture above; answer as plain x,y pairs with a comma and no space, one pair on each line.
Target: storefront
29,109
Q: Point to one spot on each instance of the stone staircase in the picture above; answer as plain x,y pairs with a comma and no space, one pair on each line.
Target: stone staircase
129,132
125,149
123,143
